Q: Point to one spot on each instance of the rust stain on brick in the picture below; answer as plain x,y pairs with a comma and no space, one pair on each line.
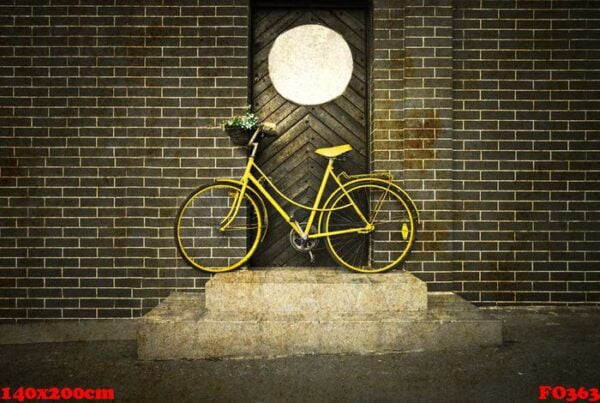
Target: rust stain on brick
413,164
409,62
422,127
443,236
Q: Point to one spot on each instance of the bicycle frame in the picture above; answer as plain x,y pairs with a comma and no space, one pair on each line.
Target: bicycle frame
249,177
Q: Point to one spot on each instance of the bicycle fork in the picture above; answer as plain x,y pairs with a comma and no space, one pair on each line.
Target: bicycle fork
233,211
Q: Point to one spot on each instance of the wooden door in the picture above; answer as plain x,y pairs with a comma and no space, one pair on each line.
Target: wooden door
290,159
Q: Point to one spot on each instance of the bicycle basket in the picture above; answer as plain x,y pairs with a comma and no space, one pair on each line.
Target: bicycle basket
239,136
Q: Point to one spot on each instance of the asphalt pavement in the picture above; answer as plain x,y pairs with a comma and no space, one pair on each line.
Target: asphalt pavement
546,351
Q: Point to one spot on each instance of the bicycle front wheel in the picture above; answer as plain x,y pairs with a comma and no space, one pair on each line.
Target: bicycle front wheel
391,239
209,233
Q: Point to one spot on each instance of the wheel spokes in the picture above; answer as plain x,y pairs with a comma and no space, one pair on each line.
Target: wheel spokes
389,241
200,236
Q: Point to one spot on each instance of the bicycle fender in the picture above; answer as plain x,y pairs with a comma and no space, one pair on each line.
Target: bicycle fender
376,180
257,197
386,182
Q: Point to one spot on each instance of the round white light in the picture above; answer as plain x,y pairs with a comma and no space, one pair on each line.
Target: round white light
310,64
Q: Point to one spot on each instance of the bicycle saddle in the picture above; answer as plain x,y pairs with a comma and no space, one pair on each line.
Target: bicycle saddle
332,152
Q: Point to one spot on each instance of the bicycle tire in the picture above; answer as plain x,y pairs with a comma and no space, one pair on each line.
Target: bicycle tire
394,228
199,237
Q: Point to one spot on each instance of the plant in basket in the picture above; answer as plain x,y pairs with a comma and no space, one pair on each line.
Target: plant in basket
240,128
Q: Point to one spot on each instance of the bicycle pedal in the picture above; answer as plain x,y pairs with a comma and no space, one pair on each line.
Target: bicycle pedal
312,257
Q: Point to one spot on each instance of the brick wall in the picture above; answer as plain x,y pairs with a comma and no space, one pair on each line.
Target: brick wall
527,151
108,118
412,121
428,134
487,112
387,86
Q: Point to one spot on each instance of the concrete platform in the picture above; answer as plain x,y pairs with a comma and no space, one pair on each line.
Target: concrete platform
289,322
313,290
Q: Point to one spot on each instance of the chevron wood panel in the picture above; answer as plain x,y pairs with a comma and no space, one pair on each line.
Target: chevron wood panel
290,159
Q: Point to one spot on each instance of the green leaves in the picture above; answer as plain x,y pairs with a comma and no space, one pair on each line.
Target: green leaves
248,121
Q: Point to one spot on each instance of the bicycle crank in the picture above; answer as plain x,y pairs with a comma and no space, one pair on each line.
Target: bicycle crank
304,245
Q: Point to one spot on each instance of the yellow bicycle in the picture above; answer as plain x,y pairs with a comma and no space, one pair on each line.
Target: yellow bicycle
368,222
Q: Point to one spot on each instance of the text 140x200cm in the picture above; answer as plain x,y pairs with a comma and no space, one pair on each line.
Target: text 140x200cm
22,394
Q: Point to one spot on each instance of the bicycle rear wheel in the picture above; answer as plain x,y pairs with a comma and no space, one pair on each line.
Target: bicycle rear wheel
203,240
387,245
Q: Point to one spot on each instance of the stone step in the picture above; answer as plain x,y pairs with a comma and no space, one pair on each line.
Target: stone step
182,328
307,291
293,311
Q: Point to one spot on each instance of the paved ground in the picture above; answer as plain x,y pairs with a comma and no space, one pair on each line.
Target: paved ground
548,347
